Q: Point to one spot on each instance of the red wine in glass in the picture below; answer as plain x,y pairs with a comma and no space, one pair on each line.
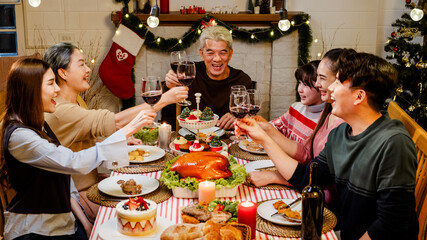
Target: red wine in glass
254,109
186,81
152,97
174,66
239,111
151,90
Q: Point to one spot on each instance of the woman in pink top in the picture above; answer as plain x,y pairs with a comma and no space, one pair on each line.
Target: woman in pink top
305,151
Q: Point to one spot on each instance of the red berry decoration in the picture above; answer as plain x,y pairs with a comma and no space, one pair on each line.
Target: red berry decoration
396,49
407,1
393,34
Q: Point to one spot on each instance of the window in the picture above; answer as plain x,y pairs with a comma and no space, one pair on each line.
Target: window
8,34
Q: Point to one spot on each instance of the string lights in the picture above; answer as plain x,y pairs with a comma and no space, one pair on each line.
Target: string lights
284,23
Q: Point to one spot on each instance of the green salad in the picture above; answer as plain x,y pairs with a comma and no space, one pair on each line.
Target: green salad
226,206
148,135
171,178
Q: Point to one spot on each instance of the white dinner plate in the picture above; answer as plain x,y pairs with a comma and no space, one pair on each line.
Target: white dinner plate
155,153
172,147
111,187
252,166
266,209
245,149
108,230
219,133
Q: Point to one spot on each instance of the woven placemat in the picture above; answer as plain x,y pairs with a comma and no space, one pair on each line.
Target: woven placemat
159,195
268,187
237,152
139,168
262,225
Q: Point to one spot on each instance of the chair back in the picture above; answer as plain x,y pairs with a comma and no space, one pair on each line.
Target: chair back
419,136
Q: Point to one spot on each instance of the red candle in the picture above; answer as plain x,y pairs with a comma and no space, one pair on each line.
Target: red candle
164,6
247,215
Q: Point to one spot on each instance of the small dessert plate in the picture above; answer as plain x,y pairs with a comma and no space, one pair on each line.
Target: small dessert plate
108,230
111,187
155,153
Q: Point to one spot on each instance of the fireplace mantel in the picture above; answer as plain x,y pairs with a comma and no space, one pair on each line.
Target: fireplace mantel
241,19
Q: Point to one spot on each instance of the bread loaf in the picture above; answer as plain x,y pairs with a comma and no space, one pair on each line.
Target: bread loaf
201,231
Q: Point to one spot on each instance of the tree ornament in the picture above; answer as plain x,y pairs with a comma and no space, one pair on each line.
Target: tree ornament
411,108
407,1
399,90
420,65
393,34
395,49
408,64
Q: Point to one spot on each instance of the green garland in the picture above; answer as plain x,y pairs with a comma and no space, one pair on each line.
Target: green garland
299,22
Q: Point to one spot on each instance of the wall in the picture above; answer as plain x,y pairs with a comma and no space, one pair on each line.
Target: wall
361,24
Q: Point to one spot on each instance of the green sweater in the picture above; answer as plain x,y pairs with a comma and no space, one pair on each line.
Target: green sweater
374,173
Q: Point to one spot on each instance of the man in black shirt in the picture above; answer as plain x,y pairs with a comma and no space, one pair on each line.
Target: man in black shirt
214,77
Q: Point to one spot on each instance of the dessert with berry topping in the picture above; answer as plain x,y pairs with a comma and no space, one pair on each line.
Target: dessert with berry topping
136,216
197,115
215,144
196,147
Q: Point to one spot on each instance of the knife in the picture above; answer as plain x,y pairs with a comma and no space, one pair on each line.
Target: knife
135,166
112,200
265,167
289,206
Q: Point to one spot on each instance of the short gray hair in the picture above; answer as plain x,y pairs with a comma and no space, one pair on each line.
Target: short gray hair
216,33
59,56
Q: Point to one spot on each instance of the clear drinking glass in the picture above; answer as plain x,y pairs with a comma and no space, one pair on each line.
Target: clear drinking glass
186,73
255,102
239,108
151,90
176,58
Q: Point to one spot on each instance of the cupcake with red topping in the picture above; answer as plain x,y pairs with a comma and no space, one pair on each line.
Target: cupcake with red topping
136,216
215,144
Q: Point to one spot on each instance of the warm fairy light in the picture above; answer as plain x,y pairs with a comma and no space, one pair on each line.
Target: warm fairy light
272,33
319,54
316,40
179,41
293,23
81,50
92,61
117,32
199,31
34,3
126,15
158,40
140,25
308,22
231,31
213,22
252,36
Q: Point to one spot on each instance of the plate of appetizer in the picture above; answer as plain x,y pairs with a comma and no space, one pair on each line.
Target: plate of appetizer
128,185
144,154
289,216
251,146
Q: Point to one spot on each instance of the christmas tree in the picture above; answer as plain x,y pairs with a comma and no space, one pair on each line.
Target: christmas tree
408,51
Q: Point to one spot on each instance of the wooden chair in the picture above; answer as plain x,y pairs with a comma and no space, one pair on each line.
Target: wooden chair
419,136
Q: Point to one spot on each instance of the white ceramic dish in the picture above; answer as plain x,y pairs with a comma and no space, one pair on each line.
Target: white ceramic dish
243,147
252,166
111,187
266,209
219,133
155,153
180,192
108,230
198,124
172,147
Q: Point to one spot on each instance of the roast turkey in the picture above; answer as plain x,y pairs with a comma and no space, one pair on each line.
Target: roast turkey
202,165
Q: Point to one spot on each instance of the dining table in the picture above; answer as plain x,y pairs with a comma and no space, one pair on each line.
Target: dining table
170,209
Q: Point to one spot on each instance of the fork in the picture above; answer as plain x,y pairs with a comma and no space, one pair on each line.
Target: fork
289,206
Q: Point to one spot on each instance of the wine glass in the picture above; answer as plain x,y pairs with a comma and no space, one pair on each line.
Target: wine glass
176,58
239,107
151,90
235,88
255,102
186,72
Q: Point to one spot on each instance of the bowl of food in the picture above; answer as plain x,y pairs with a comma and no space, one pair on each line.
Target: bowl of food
149,135
183,173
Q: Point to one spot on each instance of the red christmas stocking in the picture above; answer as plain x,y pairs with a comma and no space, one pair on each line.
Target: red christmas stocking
116,69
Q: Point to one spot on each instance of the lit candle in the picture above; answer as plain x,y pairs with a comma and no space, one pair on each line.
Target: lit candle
206,191
247,215
164,135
